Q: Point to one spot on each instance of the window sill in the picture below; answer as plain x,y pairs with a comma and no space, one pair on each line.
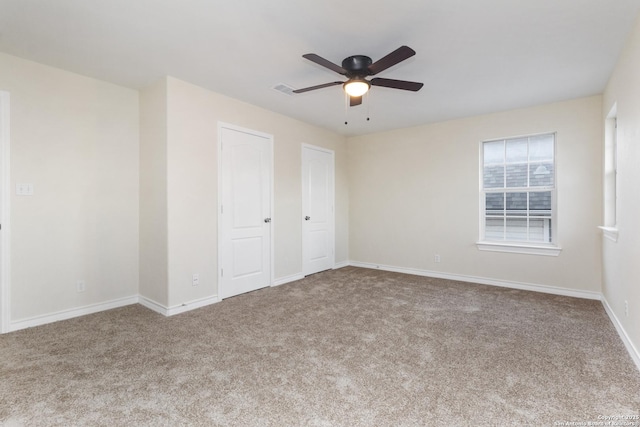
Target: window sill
610,233
519,248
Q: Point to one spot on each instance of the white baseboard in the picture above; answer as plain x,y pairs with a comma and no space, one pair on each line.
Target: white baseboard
483,281
288,279
300,276
176,309
30,322
152,305
192,305
633,351
71,313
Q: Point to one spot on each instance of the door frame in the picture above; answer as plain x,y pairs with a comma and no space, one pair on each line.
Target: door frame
5,197
333,207
269,138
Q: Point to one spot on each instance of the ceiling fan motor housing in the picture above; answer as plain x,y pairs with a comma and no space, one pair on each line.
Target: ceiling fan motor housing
357,65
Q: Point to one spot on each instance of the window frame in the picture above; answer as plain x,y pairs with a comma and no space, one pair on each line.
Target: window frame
515,246
610,176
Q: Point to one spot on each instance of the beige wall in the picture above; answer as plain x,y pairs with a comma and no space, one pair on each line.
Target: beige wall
127,182
621,259
192,183
414,193
76,140
125,188
192,193
154,282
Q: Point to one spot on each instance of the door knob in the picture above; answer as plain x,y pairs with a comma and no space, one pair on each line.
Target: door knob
267,220
307,218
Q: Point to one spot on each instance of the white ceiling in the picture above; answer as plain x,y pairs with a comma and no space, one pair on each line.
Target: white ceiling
474,56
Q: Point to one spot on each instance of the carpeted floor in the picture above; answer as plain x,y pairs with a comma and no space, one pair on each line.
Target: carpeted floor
350,347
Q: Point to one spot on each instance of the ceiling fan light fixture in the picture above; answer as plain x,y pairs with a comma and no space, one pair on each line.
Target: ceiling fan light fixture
356,87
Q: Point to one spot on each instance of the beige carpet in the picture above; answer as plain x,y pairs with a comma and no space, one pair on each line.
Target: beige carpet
350,347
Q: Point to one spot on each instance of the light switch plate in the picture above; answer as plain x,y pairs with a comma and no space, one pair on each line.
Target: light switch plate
24,189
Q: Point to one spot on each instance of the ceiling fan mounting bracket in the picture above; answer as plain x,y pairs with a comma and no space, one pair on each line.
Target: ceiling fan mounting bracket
357,65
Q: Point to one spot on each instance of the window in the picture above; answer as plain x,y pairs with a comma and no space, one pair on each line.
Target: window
610,229
518,193
611,175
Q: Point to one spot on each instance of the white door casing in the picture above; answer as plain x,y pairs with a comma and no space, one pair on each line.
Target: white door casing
244,224
5,194
318,217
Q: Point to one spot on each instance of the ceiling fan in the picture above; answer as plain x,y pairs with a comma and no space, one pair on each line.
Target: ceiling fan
356,68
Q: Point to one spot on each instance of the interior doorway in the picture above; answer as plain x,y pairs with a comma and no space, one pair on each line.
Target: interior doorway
318,209
245,211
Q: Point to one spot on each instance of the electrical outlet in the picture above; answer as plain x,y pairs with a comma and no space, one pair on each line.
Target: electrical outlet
80,286
195,279
626,308
436,258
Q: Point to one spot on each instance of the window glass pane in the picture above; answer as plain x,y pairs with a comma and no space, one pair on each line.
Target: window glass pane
494,203
541,147
540,230
494,229
516,204
493,152
540,203
536,230
516,229
541,174
523,171
516,175
493,176
517,150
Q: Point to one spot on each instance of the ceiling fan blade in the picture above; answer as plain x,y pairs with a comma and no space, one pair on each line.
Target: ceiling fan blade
398,55
307,89
325,63
397,84
355,100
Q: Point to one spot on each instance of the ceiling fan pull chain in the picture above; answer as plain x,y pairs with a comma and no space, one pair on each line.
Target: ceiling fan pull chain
368,104
347,99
